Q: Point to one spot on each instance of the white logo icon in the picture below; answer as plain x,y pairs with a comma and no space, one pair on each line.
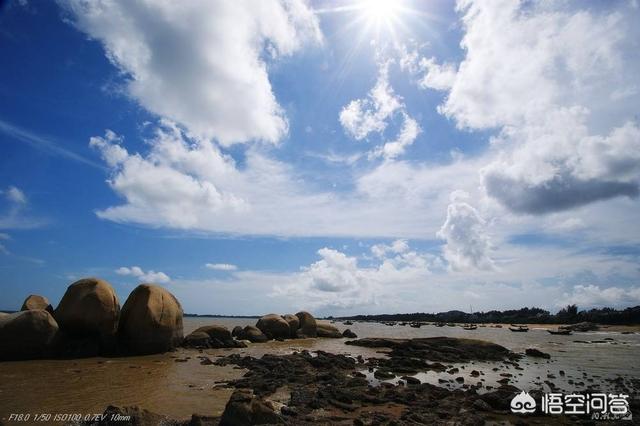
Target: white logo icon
523,403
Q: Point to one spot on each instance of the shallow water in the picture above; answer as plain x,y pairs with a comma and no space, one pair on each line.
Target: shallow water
178,389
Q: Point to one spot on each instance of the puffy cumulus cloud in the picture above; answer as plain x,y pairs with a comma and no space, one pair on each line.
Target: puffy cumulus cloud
221,266
142,276
173,185
408,134
373,114
542,74
467,244
368,115
338,281
589,296
201,63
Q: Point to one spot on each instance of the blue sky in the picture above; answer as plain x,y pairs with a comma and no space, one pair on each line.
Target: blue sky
342,157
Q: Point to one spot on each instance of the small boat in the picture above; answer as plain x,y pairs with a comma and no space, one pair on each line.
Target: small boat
470,327
519,328
415,325
439,324
560,332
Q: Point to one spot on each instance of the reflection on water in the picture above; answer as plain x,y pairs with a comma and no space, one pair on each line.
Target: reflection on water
178,389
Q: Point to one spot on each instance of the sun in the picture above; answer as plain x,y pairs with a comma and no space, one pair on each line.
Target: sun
381,10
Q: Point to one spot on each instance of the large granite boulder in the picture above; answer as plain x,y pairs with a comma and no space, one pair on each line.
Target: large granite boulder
27,335
324,329
274,326
36,302
215,331
150,321
253,334
308,326
294,324
89,307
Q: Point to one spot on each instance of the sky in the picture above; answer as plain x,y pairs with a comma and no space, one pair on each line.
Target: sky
343,157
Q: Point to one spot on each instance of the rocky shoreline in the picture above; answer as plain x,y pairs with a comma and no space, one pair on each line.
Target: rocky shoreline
303,387
321,388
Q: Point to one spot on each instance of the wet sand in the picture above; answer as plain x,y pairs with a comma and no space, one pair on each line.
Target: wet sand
177,385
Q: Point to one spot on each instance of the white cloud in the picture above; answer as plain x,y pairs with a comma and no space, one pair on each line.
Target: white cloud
408,134
337,281
467,244
588,296
436,76
188,183
221,266
542,74
142,276
14,212
15,195
372,114
201,63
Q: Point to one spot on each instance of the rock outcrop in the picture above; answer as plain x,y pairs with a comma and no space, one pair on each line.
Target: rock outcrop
27,335
211,336
308,325
581,326
36,302
349,334
253,334
324,329
274,327
151,321
243,409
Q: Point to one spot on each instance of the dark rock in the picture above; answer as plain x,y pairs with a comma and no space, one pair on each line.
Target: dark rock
243,409
349,334
253,334
533,352
27,335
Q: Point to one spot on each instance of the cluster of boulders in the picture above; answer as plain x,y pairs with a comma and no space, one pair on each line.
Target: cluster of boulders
89,322
269,327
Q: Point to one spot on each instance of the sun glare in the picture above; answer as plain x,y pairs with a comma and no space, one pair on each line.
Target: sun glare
379,10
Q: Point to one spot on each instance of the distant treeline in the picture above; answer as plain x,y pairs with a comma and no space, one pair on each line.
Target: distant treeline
567,315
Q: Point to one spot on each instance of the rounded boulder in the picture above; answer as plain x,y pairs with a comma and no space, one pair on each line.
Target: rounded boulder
35,302
253,334
308,325
274,326
324,329
27,334
294,323
151,321
89,307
